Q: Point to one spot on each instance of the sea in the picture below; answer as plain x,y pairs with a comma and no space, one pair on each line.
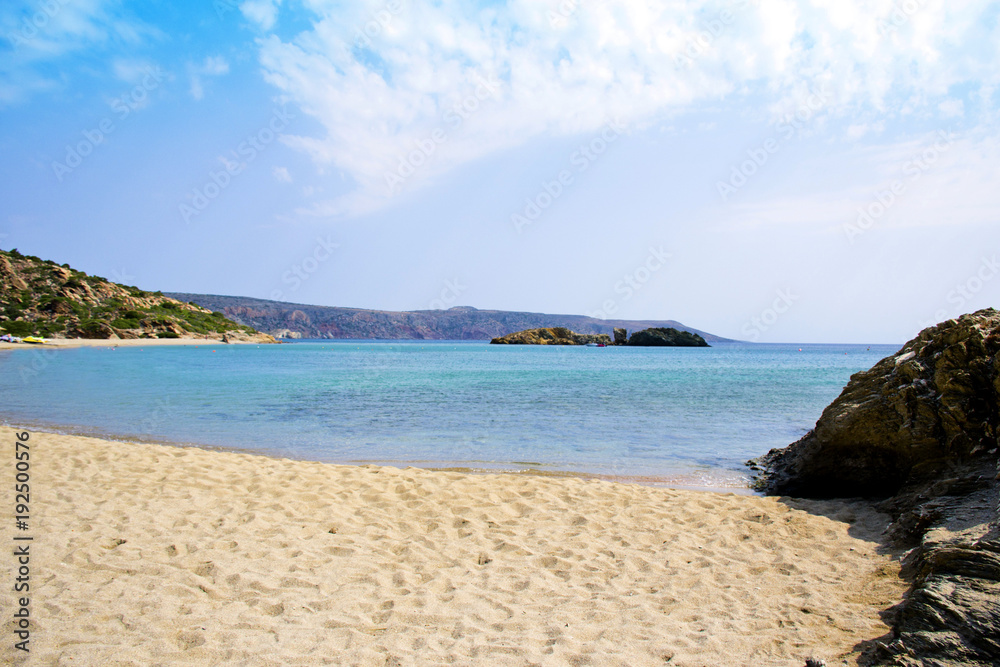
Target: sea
682,417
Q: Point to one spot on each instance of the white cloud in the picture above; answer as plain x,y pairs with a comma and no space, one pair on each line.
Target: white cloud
39,33
281,174
262,12
384,85
935,180
213,66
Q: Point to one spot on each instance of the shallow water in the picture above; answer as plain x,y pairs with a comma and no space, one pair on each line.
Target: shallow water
688,415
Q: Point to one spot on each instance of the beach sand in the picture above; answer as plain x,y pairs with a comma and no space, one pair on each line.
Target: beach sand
156,555
119,342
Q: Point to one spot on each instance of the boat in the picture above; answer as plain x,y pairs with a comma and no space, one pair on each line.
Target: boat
602,345
33,339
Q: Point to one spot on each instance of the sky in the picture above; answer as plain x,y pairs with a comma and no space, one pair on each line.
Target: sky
767,170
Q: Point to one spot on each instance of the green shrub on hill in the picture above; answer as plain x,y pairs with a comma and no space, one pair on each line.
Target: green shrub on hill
64,301
19,328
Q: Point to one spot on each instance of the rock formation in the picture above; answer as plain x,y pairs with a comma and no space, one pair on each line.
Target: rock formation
550,336
621,336
244,337
933,405
666,337
920,429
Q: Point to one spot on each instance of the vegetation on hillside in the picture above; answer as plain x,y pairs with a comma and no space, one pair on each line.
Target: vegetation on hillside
40,297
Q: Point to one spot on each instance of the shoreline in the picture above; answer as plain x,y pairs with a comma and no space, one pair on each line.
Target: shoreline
679,481
66,343
154,554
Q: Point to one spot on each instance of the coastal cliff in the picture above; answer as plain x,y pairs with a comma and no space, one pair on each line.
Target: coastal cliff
40,297
920,431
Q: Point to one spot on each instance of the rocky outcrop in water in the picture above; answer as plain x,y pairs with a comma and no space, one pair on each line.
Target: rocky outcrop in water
666,337
550,336
920,429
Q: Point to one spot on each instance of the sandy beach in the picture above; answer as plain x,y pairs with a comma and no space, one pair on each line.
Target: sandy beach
116,342
156,555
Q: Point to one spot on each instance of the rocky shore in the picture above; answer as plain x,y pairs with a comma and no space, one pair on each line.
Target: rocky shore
918,432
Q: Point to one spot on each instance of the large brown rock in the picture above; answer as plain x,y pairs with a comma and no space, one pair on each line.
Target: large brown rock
550,336
921,430
932,406
10,276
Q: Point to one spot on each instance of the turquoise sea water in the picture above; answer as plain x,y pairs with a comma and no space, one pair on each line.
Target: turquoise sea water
689,415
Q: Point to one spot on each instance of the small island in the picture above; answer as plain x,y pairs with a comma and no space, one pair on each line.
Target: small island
653,337
666,337
551,336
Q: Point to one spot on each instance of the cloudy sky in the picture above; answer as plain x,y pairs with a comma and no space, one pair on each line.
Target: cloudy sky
824,171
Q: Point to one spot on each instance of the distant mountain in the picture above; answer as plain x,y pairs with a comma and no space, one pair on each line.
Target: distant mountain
40,297
293,320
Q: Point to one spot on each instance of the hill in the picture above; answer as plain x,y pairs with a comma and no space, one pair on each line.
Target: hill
40,297
292,320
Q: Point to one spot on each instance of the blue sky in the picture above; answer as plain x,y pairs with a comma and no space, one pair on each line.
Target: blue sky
769,170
